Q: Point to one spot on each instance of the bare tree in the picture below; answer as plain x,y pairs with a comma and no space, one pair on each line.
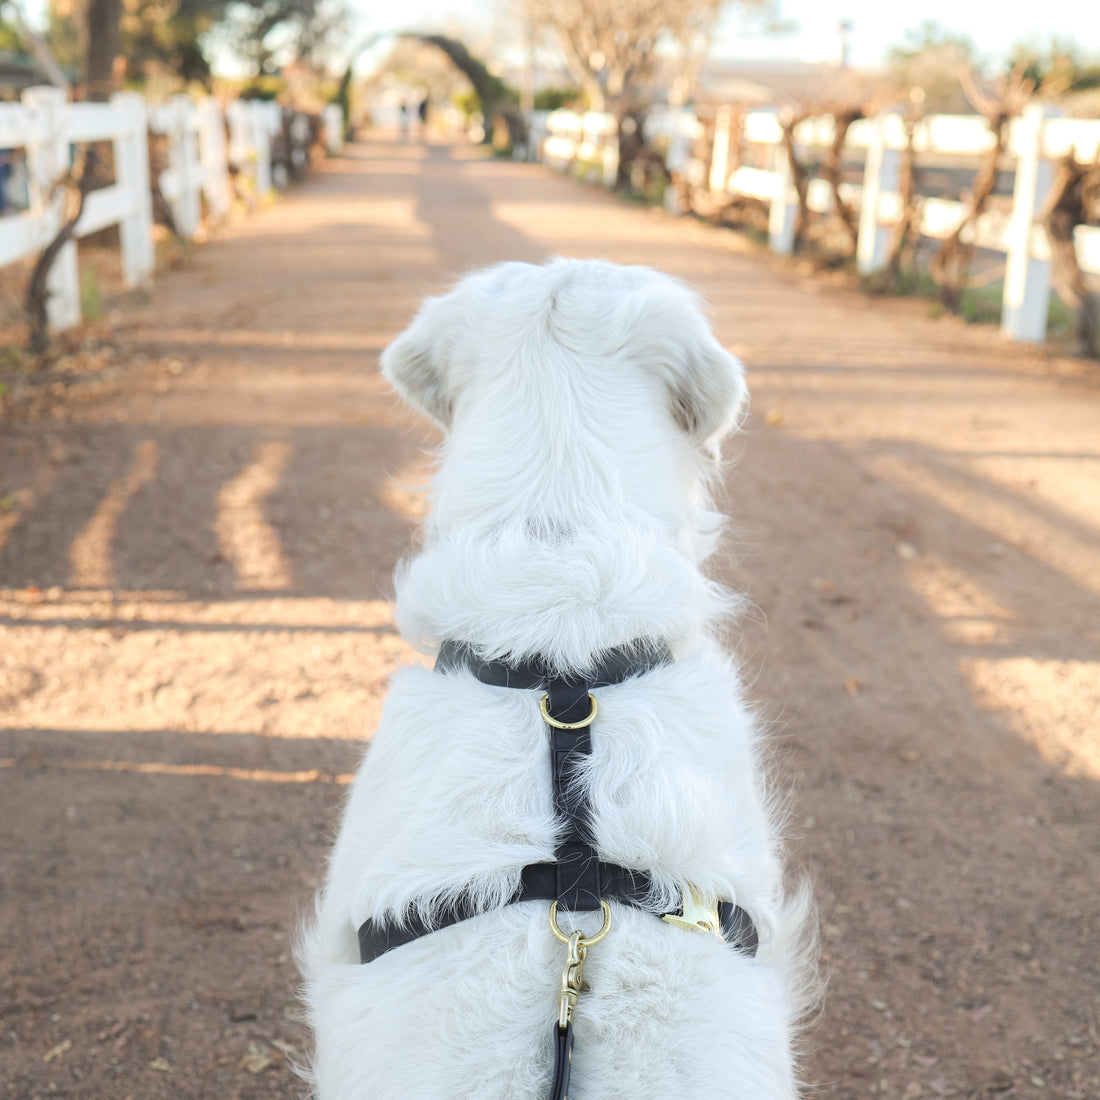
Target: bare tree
800,178
610,48
75,185
844,114
1074,200
901,243
950,264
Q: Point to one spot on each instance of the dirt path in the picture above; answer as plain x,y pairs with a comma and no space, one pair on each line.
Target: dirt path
195,558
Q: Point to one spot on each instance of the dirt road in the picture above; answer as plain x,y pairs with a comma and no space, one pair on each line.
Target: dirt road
195,559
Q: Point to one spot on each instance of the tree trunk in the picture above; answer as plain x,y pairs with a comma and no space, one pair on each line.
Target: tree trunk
798,177
1064,211
103,16
843,117
950,263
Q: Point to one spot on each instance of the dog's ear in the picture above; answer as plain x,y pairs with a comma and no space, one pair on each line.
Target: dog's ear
417,363
708,392
706,384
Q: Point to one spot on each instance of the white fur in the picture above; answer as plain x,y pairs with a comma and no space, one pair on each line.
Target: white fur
582,405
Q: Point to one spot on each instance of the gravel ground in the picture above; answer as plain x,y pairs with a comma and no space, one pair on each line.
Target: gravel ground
197,533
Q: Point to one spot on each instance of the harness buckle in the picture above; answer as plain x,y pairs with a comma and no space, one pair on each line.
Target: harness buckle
572,977
699,913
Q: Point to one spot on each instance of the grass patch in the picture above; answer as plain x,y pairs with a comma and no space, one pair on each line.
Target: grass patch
91,297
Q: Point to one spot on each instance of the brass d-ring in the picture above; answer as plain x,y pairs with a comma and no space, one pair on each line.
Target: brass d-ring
544,710
585,941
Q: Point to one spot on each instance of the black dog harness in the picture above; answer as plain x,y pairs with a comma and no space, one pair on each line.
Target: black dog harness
578,880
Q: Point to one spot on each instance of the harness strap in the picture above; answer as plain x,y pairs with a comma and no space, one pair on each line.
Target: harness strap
539,882
576,859
613,666
577,879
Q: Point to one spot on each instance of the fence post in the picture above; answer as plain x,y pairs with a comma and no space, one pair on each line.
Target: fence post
212,155
609,158
784,208
720,152
880,176
333,118
1027,278
183,162
131,150
48,160
260,136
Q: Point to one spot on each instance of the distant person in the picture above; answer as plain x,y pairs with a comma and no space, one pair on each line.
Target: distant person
7,156
422,111
412,112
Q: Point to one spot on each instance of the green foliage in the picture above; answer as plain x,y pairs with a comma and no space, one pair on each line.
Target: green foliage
266,87
553,99
467,102
1058,67
491,91
175,37
931,59
933,37
154,35
10,40
91,298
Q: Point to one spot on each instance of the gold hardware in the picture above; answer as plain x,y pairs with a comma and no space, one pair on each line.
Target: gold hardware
572,977
544,710
700,914
587,941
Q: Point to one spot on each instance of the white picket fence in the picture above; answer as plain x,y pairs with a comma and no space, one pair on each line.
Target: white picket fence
200,158
1037,139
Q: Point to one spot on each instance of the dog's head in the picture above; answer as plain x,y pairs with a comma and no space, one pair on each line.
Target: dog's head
599,309
574,376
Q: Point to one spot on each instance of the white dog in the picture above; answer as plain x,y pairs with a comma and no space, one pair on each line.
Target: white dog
582,405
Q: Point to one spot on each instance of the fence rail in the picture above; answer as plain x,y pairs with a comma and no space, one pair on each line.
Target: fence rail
565,139
206,148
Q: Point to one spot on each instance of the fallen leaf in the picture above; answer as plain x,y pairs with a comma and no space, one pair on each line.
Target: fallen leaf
852,686
256,1060
286,1050
160,1065
57,1051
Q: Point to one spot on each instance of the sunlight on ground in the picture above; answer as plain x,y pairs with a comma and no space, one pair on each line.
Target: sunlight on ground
279,667
968,612
333,340
249,775
246,538
1051,704
1012,520
90,551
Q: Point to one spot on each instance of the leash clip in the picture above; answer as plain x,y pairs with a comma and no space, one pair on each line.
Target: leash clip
572,980
698,913
572,977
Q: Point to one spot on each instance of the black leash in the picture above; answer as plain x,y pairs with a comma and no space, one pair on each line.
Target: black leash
578,880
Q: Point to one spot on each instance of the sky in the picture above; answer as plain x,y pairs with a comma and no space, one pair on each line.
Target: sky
877,24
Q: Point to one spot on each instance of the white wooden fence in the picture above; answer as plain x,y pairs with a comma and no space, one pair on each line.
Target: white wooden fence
200,159
1036,140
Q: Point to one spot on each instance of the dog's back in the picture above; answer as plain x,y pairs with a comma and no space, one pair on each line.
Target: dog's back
582,406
